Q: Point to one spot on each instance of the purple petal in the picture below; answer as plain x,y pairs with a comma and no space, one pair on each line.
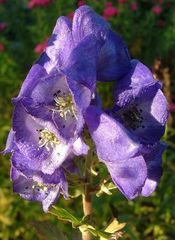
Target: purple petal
56,158
112,140
61,42
25,164
40,187
129,175
42,105
35,74
79,147
82,63
86,22
10,146
138,76
114,59
147,107
27,133
153,160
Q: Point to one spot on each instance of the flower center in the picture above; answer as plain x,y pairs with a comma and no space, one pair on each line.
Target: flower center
47,139
64,104
132,117
38,187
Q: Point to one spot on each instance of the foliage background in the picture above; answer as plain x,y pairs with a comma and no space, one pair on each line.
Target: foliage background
150,38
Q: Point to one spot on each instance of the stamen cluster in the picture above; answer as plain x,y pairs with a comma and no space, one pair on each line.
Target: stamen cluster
47,139
64,104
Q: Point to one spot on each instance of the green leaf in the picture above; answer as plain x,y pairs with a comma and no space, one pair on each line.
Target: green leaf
46,230
63,214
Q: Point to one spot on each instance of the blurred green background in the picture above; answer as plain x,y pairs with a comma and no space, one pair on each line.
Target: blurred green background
148,28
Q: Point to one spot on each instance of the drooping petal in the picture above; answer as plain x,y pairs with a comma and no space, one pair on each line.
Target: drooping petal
113,142
43,188
25,164
153,160
129,175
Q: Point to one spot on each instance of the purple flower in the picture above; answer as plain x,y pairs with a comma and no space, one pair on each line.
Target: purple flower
60,101
140,104
39,142
123,136
40,187
134,168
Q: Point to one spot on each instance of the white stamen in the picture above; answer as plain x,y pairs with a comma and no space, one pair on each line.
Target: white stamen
47,139
64,105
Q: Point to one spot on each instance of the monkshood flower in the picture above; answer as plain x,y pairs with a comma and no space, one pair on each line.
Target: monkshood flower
122,135
113,60
134,168
140,174
39,142
140,104
59,96
59,100
40,187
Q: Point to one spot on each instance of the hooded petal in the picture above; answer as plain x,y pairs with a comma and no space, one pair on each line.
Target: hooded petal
45,62
86,22
114,60
113,142
81,66
61,42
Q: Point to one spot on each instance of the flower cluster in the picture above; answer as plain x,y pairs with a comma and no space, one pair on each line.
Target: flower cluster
59,96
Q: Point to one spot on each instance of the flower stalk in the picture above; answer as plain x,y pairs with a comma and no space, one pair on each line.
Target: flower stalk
86,196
